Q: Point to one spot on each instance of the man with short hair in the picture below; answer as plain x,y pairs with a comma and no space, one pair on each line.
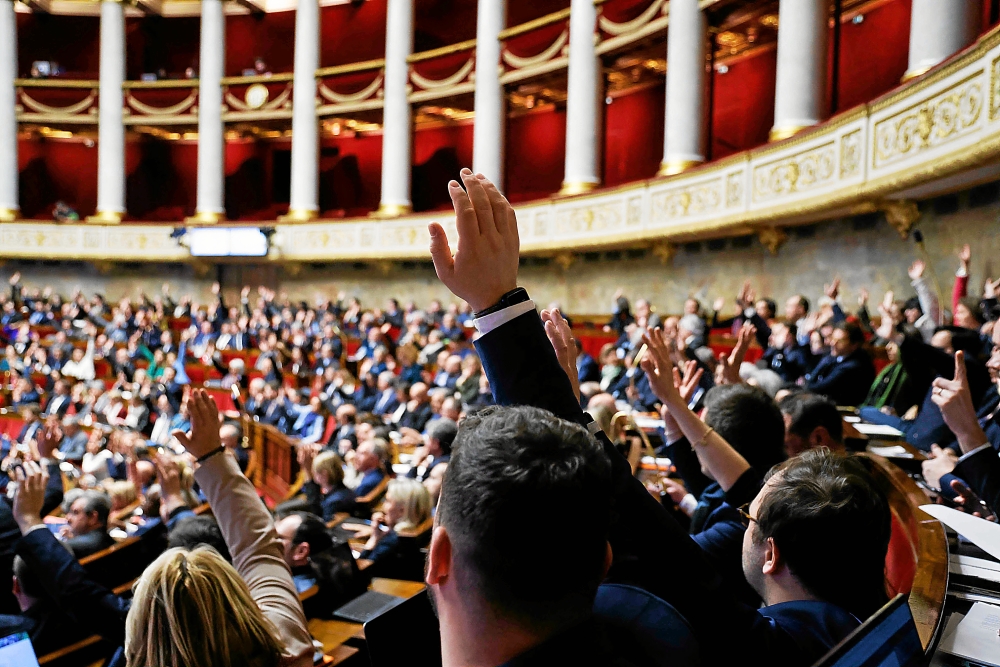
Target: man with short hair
73,444
467,575
811,422
307,551
846,374
48,627
368,465
437,449
60,401
386,402
87,524
418,409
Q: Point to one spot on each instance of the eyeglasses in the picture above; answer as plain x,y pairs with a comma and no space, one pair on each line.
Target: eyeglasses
745,514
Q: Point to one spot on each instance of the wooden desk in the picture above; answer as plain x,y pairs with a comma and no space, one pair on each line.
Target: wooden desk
333,634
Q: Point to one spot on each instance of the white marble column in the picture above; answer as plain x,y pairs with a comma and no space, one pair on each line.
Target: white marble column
939,29
803,39
684,136
491,103
305,126
211,137
9,207
584,103
397,127
110,129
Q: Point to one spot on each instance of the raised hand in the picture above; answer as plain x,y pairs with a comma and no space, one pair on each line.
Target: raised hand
955,401
30,496
731,368
718,304
15,278
216,288
916,270
862,297
484,265
688,383
204,434
990,288
659,369
558,331
833,289
965,256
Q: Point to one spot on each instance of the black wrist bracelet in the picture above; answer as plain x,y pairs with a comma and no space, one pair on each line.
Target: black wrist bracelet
205,457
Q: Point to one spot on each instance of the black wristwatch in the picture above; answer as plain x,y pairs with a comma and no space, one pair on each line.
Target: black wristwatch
513,297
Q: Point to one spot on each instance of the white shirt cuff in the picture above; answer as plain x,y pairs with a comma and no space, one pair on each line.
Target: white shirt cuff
974,451
488,323
961,272
687,504
37,526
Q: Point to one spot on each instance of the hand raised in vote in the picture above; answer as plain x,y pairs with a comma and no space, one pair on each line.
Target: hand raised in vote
204,434
484,264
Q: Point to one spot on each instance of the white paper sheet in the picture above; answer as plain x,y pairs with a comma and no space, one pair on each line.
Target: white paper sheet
891,451
974,567
984,534
975,637
879,429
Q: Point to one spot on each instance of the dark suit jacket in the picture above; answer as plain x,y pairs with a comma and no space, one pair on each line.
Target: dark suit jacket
790,363
93,608
650,548
587,369
338,500
386,402
48,627
844,380
57,406
417,419
90,543
981,472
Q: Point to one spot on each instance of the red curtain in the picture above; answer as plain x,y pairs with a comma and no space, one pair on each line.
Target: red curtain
873,53
633,137
536,152
743,110
72,41
271,37
352,33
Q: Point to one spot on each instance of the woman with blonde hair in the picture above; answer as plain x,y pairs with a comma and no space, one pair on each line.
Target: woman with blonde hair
324,486
407,505
193,609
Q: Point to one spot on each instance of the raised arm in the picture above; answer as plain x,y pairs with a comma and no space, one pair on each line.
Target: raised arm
650,549
246,526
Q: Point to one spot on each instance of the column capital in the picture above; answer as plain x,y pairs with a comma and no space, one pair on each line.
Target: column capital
671,167
299,215
9,214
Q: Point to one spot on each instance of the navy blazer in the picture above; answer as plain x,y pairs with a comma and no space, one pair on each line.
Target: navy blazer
844,380
981,472
651,550
338,500
587,369
790,363
718,529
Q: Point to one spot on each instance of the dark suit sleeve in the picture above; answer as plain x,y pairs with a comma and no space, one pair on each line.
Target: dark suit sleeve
89,604
981,471
53,490
650,548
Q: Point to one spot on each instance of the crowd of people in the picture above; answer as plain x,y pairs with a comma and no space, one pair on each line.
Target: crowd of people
484,449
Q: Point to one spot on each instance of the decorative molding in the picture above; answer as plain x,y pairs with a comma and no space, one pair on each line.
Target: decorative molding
665,252
772,238
616,29
901,214
938,126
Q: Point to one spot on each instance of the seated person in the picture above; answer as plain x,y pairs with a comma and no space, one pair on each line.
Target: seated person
436,451
73,444
811,422
48,627
407,505
749,420
784,355
978,436
845,375
86,530
308,551
324,486
417,411
369,466
310,422
803,531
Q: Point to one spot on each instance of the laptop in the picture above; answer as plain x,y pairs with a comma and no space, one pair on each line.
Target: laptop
888,639
16,651
365,607
407,634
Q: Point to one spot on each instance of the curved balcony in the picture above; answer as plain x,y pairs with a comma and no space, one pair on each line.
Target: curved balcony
930,135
